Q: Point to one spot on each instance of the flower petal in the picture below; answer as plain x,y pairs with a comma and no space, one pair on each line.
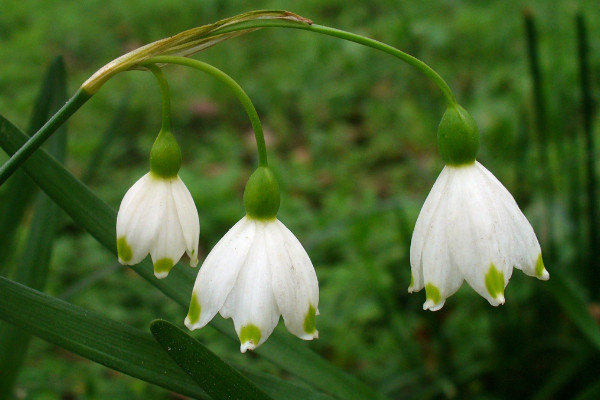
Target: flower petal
422,228
168,246
441,276
478,240
140,214
526,254
188,218
251,303
219,273
294,281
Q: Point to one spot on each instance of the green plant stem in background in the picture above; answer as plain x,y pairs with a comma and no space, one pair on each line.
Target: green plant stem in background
352,37
546,179
74,103
234,86
164,92
593,278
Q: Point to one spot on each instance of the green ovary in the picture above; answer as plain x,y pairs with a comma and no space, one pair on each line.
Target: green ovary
250,333
195,310
123,249
432,293
494,282
309,320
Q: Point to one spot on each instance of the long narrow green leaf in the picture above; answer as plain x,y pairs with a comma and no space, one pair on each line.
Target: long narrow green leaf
99,220
587,108
591,392
116,345
575,307
32,268
91,335
218,379
20,189
278,388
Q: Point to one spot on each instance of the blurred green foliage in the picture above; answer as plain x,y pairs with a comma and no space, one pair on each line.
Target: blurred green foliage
351,136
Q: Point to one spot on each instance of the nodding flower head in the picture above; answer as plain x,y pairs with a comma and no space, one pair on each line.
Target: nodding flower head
470,228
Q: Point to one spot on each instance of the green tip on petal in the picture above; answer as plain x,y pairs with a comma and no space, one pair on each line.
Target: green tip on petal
165,156
458,137
432,293
249,337
261,195
412,282
124,250
494,283
309,321
162,267
540,269
195,309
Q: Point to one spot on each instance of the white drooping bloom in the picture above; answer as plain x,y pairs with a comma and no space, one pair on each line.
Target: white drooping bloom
470,228
158,216
255,273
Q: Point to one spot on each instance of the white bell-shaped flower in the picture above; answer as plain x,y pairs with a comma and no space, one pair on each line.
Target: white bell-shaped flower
255,273
158,216
470,228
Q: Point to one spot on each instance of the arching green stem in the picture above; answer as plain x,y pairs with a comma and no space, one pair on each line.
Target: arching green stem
166,99
352,37
234,86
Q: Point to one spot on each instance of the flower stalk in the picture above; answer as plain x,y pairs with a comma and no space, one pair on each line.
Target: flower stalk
235,88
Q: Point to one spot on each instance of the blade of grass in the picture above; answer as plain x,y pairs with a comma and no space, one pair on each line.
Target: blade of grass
216,377
20,189
546,178
591,392
592,277
124,348
99,220
32,268
574,306
564,374
278,388
93,336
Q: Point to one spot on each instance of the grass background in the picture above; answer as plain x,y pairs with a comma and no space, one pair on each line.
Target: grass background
351,136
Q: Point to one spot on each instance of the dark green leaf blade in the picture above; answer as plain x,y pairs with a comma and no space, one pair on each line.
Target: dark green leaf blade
20,189
32,267
94,215
91,335
278,388
575,307
217,378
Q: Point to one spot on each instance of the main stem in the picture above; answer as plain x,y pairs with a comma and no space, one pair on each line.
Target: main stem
166,99
352,37
234,86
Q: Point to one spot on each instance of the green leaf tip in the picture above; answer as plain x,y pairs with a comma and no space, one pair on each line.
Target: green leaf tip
261,195
432,293
124,250
165,156
250,333
457,137
309,320
494,283
195,310
162,267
